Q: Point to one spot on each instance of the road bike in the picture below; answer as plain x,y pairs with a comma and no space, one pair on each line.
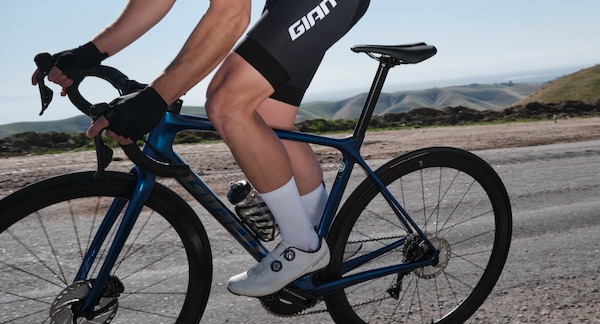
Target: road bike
434,228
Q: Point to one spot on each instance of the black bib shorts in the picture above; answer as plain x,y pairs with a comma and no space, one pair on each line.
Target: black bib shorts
289,41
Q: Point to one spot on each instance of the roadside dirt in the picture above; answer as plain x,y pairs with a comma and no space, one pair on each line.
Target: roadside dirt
214,162
568,299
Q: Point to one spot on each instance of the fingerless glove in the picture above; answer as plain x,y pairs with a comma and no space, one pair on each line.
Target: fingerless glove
81,57
136,114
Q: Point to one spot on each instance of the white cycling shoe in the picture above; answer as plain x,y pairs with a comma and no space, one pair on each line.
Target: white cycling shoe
281,266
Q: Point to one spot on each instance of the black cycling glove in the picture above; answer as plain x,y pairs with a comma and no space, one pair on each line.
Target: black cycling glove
81,57
135,114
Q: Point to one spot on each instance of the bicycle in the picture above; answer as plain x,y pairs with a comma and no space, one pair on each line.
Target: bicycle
434,225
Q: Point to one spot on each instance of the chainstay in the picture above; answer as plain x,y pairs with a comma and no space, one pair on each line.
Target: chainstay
310,311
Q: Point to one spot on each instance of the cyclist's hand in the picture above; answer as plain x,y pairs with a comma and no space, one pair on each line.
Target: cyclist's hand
129,117
83,56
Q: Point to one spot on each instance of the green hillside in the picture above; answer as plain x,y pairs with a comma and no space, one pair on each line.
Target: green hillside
475,96
583,85
77,124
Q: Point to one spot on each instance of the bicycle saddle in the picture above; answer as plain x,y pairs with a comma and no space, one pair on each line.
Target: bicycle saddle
406,54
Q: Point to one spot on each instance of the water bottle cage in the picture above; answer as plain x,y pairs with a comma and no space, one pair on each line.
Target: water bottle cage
260,220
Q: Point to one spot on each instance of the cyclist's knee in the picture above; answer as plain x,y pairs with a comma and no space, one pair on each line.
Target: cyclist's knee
219,114
235,92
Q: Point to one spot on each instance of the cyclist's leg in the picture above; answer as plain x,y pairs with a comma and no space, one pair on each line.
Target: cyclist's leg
305,166
265,162
265,61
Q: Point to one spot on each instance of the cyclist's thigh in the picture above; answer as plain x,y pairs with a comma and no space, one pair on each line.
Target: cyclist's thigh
278,114
289,41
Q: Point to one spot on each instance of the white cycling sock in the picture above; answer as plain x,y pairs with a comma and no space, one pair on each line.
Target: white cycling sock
294,225
314,202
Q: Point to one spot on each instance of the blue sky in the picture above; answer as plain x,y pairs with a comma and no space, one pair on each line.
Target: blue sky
510,40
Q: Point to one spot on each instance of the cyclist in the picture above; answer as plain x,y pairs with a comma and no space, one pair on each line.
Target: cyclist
259,85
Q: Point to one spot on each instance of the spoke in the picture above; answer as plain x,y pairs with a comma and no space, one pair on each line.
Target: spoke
23,297
398,304
437,293
32,274
36,257
39,219
149,312
447,277
129,252
460,219
93,226
469,262
468,220
436,210
145,266
473,237
385,219
472,253
460,281
441,197
139,291
74,222
412,299
20,318
457,204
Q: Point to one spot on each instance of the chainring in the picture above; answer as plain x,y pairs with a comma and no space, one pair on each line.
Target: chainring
281,307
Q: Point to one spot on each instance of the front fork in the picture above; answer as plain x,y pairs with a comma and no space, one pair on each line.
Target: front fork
141,193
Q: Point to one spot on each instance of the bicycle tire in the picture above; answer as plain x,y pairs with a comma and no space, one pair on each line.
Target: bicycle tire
45,229
455,198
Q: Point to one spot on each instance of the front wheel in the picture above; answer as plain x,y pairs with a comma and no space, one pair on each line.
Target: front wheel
163,274
460,204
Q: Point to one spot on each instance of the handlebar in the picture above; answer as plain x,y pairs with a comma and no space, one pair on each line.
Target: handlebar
124,85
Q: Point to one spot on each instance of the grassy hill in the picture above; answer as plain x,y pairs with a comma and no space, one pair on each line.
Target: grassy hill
52,142
583,85
475,96
71,125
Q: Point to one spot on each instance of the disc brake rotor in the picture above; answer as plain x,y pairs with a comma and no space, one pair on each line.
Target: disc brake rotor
61,311
443,247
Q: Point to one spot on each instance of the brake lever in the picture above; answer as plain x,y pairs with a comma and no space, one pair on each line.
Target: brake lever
104,154
44,63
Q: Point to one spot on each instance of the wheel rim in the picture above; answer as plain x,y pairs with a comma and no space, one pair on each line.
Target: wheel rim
47,247
453,209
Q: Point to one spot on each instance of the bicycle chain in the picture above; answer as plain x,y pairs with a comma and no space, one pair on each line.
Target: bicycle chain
314,312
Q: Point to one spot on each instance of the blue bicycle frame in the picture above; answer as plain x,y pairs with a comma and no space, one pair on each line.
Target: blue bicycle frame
159,145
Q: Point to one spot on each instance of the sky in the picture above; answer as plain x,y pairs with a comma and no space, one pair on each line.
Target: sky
478,41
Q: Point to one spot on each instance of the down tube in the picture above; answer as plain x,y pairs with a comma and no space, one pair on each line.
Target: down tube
209,200
162,139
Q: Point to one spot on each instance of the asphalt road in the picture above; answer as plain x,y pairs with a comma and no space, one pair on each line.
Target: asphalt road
552,269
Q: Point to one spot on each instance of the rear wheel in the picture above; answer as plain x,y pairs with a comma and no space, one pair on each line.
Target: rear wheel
462,207
164,270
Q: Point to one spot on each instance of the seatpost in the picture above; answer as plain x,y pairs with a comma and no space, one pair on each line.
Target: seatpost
385,64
